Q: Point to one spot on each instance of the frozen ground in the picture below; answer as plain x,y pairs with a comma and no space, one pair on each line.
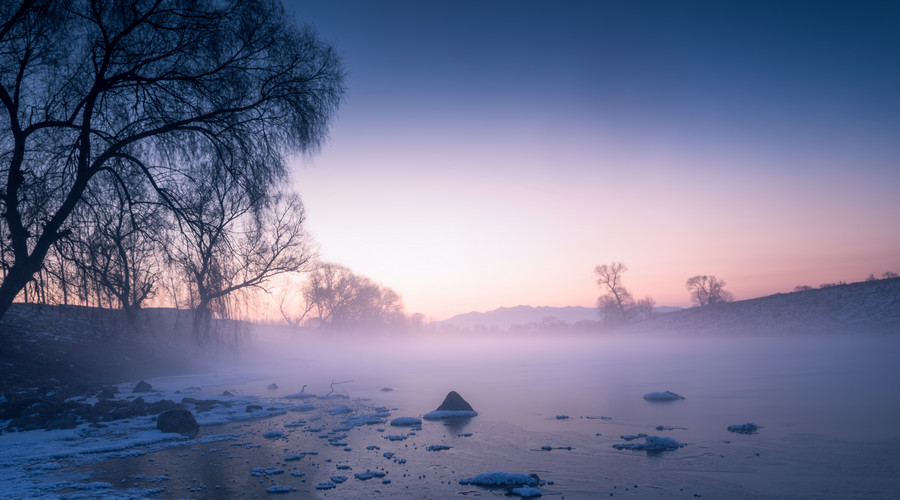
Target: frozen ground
826,407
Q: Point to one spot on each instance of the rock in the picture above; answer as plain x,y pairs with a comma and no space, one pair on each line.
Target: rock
272,387
662,396
748,428
227,393
454,402
108,392
454,406
65,421
180,421
163,405
142,386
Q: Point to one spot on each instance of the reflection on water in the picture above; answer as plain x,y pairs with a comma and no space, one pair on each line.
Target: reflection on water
827,407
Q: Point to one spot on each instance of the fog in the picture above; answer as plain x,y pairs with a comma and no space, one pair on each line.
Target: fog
839,385
826,406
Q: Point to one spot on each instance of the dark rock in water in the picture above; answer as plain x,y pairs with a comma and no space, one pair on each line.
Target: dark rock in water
386,389
227,393
252,408
454,402
64,421
108,393
142,387
180,421
163,405
272,387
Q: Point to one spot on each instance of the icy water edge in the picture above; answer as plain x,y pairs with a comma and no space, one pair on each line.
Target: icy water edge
548,406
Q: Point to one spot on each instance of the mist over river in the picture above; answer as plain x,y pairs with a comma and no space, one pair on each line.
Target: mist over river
553,406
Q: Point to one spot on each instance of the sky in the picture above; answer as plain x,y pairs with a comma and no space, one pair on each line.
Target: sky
492,153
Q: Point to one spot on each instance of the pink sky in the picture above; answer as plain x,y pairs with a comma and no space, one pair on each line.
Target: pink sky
475,165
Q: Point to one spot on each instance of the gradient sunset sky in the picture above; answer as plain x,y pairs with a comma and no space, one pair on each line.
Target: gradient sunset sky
491,153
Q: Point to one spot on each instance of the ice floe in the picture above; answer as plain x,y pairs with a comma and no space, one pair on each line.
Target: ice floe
748,428
651,443
502,479
662,396
526,492
406,421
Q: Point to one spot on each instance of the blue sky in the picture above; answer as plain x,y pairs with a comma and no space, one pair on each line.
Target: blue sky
492,153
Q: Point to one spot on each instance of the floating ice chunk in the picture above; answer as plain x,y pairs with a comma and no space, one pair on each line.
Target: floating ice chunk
406,421
367,419
395,438
339,410
502,479
273,434
632,437
437,447
388,454
325,486
265,471
748,428
297,473
294,456
651,443
662,396
276,488
300,395
562,417
338,479
442,414
94,485
369,474
526,492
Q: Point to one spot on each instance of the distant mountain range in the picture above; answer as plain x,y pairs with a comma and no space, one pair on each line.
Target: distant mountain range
507,317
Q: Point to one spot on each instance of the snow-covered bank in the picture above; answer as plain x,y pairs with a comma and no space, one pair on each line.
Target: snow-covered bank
38,463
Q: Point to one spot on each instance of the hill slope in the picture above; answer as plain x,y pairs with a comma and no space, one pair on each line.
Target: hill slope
868,306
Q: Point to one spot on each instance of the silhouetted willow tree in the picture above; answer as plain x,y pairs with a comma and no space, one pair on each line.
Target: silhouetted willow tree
111,87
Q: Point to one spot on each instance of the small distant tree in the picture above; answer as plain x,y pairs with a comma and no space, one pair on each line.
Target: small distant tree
707,290
616,299
802,288
617,304
889,275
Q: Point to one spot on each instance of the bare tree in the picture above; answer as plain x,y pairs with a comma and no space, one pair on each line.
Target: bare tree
99,86
340,299
617,305
616,299
231,239
707,290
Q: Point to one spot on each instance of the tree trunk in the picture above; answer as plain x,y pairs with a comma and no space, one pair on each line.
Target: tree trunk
13,283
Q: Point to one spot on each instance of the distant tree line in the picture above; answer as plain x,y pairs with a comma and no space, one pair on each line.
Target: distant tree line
143,147
885,276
